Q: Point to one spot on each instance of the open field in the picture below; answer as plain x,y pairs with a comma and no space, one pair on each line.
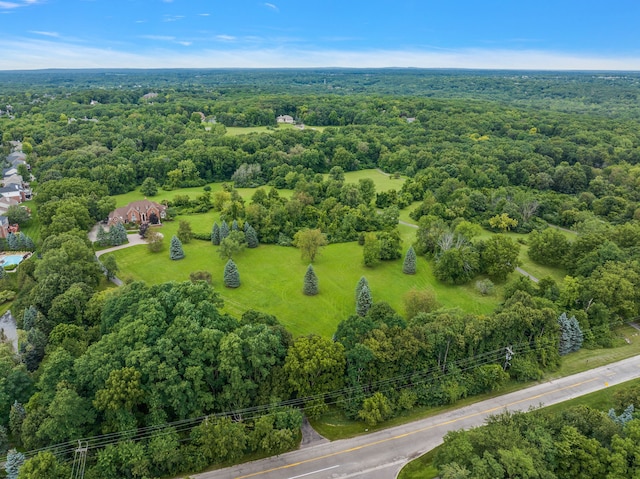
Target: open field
382,181
236,130
272,279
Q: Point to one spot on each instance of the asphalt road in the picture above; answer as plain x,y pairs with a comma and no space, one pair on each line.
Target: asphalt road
381,455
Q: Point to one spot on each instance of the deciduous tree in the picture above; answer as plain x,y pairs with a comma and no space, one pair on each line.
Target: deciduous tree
309,241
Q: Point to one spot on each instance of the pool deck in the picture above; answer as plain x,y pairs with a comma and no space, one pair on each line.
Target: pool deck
25,255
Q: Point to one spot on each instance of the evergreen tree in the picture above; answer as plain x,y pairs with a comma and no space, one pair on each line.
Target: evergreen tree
571,336
29,245
3,273
117,235
102,238
29,318
19,242
224,230
251,236
246,226
234,226
310,287
12,242
409,265
231,275
364,302
175,250
215,234
15,460
16,418
361,282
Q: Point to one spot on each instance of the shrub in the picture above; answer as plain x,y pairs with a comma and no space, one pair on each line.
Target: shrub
484,286
200,276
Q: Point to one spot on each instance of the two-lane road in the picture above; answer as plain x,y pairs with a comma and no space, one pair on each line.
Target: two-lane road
381,455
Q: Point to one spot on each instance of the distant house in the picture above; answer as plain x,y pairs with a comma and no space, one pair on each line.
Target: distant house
142,211
285,119
5,203
150,95
14,191
410,120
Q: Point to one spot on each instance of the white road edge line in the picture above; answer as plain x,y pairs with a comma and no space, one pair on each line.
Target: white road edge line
315,472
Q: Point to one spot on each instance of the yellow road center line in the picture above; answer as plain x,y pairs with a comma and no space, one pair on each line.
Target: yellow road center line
400,436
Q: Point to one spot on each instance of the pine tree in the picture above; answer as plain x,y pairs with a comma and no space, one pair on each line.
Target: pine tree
310,287
29,245
246,226
571,336
16,418
361,282
175,250
251,236
15,460
117,235
19,242
224,230
102,238
364,302
409,265
234,226
215,234
12,242
231,275
3,273
29,318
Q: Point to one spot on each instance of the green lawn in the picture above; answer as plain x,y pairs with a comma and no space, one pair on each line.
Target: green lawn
236,130
272,279
383,182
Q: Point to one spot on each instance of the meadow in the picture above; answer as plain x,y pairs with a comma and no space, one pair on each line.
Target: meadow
272,275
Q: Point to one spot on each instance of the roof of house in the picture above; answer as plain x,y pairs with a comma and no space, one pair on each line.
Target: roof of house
13,180
140,206
11,188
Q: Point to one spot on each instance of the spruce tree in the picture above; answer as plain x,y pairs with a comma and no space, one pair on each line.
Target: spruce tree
310,287
12,242
102,238
234,226
3,273
117,235
215,234
246,226
364,303
175,250
231,275
15,460
361,282
224,230
409,265
29,318
16,418
571,336
251,236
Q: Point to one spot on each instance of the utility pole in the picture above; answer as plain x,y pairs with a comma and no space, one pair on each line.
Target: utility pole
79,460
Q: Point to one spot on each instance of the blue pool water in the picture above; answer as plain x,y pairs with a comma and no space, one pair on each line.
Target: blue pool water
11,260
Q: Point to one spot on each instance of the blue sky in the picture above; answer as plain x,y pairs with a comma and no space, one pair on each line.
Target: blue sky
511,34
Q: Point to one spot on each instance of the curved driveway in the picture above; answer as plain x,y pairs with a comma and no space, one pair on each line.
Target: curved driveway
381,455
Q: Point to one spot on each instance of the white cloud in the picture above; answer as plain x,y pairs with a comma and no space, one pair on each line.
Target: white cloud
225,38
272,6
203,14
184,44
29,54
23,3
46,34
172,18
162,38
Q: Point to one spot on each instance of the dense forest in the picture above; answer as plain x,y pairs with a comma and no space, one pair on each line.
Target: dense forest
164,382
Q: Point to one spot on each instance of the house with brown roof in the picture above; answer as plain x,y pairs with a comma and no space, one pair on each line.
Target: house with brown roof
142,211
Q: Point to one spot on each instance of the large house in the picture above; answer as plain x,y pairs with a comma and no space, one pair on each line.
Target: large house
142,211
288,119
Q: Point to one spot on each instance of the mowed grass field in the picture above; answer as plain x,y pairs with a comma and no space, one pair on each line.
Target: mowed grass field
272,279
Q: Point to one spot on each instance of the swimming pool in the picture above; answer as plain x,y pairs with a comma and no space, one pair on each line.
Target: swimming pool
11,260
